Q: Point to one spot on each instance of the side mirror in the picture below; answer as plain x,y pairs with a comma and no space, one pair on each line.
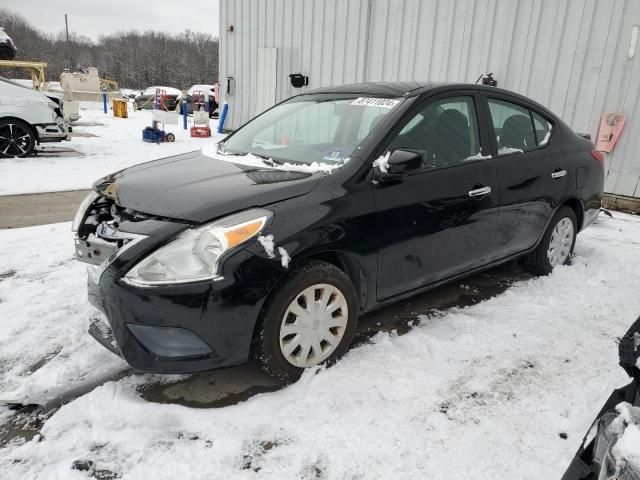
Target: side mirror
398,164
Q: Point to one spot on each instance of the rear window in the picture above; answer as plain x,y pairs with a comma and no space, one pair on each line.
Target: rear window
517,128
542,128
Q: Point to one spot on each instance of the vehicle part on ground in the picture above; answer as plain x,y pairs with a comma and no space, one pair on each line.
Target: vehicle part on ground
556,245
16,139
599,457
311,319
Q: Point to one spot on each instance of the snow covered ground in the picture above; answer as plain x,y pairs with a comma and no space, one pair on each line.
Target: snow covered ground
478,392
101,144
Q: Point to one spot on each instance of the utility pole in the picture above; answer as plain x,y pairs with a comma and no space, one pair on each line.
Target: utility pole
66,26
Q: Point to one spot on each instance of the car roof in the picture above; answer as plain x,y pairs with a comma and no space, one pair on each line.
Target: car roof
415,88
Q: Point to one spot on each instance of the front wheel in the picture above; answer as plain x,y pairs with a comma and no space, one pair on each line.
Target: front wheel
557,243
310,320
16,139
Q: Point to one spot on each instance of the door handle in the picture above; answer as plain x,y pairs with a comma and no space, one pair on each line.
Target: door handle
558,174
479,192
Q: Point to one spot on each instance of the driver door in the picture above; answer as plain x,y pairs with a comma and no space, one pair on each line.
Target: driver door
439,220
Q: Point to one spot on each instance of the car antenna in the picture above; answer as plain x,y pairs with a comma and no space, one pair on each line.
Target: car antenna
487,79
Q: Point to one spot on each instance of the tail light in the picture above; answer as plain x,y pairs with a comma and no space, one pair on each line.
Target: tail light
598,155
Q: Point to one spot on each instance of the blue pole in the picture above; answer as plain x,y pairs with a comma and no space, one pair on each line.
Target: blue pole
184,112
223,117
104,99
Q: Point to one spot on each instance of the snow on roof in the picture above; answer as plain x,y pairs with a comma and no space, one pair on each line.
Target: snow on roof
200,88
167,90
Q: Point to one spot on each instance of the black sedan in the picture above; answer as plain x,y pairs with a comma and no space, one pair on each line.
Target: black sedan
328,205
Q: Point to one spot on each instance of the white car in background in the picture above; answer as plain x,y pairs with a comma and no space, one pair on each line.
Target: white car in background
29,117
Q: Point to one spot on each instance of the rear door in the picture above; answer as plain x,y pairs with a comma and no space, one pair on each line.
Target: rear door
533,177
440,220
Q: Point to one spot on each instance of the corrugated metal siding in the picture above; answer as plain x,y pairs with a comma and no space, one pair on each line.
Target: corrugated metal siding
570,55
322,39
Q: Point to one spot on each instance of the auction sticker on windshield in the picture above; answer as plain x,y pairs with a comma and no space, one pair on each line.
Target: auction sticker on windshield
375,102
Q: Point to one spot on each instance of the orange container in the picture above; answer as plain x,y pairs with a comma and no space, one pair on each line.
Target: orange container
120,109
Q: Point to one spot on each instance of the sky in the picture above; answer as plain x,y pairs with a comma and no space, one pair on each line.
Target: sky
93,18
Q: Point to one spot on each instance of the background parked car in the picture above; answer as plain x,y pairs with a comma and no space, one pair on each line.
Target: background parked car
8,49
146,100
28,117
607,451
199,102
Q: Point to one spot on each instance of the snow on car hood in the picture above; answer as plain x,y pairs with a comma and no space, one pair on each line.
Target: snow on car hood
250,160
194,188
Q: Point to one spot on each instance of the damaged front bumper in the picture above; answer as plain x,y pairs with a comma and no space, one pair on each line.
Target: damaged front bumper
54,132
177,328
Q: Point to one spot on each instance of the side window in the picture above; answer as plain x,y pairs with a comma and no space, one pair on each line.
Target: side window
543,128
513,127
444,131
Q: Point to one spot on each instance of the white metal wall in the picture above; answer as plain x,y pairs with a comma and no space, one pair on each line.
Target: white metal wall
570,55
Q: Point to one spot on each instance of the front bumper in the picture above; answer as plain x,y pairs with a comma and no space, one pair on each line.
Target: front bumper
180,328
53,132
582,466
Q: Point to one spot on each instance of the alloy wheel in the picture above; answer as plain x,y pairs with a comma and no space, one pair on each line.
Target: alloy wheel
560,242
313,325
15,140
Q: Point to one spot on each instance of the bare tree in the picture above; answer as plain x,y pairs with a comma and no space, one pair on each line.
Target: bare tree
134,59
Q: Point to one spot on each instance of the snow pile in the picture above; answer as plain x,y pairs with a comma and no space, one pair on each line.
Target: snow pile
269,247
267,243
627,448
284,257
44,345
479,156
509,150
250,160
382,162
476,392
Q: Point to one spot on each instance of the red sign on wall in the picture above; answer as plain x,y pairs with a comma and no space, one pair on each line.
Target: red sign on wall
610,129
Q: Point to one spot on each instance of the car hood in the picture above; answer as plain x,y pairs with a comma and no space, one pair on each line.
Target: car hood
196,188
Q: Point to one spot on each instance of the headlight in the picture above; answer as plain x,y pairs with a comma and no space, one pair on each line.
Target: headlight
82,209
194,255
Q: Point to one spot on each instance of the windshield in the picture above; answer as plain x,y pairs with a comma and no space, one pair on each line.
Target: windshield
13,82
310,129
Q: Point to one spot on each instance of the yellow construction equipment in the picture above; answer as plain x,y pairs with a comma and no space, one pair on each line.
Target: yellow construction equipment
35,69
111,85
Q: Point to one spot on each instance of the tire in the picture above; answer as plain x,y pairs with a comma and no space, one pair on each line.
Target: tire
282,354
547,256
7,53
17,139
170,137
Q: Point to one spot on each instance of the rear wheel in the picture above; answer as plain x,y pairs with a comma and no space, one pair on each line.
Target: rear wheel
310,320
557,244
16,139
